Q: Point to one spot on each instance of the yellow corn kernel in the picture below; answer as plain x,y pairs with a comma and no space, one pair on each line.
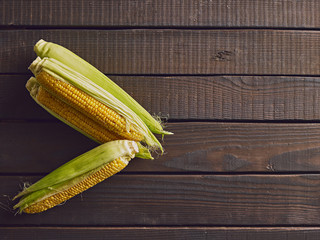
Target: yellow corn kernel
76,118
89,106
107,171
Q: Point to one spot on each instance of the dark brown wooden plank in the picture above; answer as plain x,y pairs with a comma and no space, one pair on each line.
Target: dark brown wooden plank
164,13
36,145
15,101
195,147
190,97
192,233
174,51
181,200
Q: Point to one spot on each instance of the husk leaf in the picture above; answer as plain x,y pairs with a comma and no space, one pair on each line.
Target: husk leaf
47,49
75,170
66,74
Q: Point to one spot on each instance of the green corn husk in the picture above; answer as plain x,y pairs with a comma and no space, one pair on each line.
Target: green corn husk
65,56
62,72
75,171
33,86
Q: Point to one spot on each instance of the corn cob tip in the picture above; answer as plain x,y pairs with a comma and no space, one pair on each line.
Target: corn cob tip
36,66
39,43
32,85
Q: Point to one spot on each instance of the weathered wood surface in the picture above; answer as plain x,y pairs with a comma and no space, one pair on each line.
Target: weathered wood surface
195,147
161,13
171,51
174,233
193,62
193,97
181,200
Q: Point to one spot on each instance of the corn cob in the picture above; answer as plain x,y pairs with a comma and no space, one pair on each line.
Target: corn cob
75,117
68,58
94,102
94,178
89,106
77,176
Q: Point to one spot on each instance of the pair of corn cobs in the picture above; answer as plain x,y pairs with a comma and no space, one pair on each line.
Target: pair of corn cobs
84,98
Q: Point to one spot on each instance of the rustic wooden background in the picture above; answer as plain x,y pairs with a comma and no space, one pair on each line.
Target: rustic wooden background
237,82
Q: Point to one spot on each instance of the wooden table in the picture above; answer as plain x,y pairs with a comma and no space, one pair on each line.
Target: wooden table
236,81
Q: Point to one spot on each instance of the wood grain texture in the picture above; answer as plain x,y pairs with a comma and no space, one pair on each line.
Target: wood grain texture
174,233
162,13
174,51
192,97
164,200
195,147
192,61
15,101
